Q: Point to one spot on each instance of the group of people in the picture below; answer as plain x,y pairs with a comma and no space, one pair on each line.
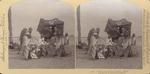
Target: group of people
97,50
25,37
32,50
93,50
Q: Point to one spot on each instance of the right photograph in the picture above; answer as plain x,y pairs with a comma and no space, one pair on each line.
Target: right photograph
109,35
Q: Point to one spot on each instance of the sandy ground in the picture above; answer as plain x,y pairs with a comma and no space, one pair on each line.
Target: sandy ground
84,61
18,62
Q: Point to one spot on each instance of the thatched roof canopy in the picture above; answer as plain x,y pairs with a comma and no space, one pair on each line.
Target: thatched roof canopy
44,26
114,28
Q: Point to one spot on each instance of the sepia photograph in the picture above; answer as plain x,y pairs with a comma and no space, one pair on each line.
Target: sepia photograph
109,35
74,36
41,35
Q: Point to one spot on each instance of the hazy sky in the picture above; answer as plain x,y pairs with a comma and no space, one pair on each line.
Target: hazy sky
97,12
93,14
28,12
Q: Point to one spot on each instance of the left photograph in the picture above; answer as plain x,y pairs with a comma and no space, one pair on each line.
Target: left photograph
41,35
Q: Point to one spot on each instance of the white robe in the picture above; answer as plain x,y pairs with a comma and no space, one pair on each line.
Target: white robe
25,45
93,46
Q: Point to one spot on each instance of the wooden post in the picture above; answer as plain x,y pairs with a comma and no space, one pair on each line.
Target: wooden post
10,25
78,24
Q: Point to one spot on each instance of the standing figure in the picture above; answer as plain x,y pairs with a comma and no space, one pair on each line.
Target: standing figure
66,39
60,46
93,45
89,38
24,30
98,31
133,40
132,46
30,32
25,44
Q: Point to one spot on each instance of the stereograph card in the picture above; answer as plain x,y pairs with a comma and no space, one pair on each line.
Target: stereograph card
74,36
